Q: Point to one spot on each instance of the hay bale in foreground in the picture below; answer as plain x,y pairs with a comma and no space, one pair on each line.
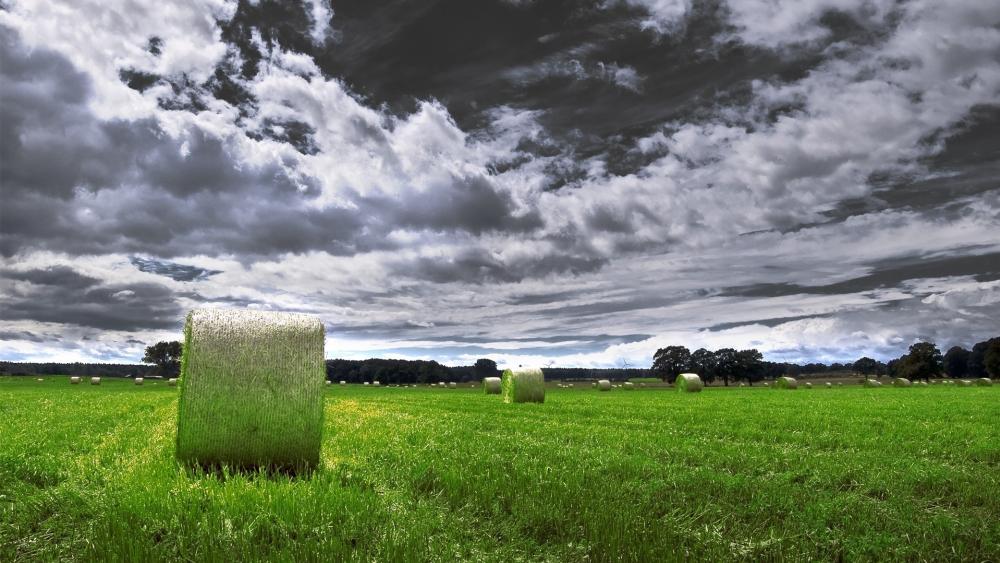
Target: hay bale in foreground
523,385
252,393
688,383
491,385
901,382
95,380
629,386
786,383
74,380
984,382
603,385
138,381
172,382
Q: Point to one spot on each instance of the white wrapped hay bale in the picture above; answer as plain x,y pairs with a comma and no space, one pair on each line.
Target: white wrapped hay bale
172,382
966,383
138,381
984,382
523,385
603,385
442,384
829,385
689,383
786,383
628,385
767,385
743,384
74,380
809,385
252,393
872,383
901,382
491,385
342,382
452,385
95,380
376,383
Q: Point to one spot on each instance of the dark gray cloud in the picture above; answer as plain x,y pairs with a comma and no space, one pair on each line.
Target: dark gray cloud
173,270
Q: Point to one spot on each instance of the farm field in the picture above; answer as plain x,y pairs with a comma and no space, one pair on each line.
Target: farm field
88,473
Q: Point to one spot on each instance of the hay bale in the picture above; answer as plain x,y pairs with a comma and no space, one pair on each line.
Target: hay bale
829,385
593,384
809,385
95,380
641,384
603,385
342,382
40,379
491,385
767,384
743,384
138,381
252,389
901,382
840,384
523,385
453,385
629,386
786,383
688,383
966,383
442,384
376,383
872,383
74,380
172,382
984,382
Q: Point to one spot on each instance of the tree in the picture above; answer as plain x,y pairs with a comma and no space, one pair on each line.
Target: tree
866,366
992,357
977,359
923,362
956,362
166,355
751,365
670,362
704,364
727,364
485,368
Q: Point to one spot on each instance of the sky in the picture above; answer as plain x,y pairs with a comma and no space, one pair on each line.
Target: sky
572,183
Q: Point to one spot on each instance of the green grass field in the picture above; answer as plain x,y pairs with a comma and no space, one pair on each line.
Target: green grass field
87,473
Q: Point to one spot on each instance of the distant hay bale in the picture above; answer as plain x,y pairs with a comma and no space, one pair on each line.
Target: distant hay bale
641,384
688,383
767,385
829,385
809,385
138,381
984,382
452,385
569,385
342,382
40,379
593,384
603,385
491,385
743,384
74,380
523,385
872,383
786,383
840,383
376,383
251,393
172,382
901,382
966,383
95,380
629,386
366,383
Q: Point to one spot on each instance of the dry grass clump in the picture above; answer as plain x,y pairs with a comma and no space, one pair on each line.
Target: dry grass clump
251,393
523,385
786,383
689,383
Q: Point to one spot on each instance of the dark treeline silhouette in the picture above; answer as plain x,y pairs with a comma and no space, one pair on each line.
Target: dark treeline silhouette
77,368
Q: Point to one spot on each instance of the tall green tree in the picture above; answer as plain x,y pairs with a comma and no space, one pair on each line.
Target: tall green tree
704,364
991,359
866,366
167,357
922,362
727,364
670,362
485,368
956,362
750,364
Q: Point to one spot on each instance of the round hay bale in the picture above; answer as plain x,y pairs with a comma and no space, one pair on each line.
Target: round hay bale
809,385
328,382
786,383
688,383
767,385
376,383
523,385
441,384
872,383
743,384
74,380
342,382
95,380
984,382
901,382
840,384
593,384
829,385
252,389
629,386
40,379
966,383
641,384
138,381
452,385
172,382
603,385
491,385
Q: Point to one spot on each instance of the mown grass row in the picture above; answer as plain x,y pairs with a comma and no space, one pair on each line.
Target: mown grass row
87,473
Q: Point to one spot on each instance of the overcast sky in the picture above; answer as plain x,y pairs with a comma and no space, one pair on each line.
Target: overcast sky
578,183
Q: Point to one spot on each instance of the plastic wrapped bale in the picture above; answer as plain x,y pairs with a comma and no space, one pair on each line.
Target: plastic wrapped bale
786,383
452,385
376,383
872,383
642,384
809,385
628,385
604,385
984,382
743,384
172,382
966,383
95,380
491,385
441,384
840,384
74,380
251,389
688,383
523,385
767,385
138,381
342,382
901,382
829,385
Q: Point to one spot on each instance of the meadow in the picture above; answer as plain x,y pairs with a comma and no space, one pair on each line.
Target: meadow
88,473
